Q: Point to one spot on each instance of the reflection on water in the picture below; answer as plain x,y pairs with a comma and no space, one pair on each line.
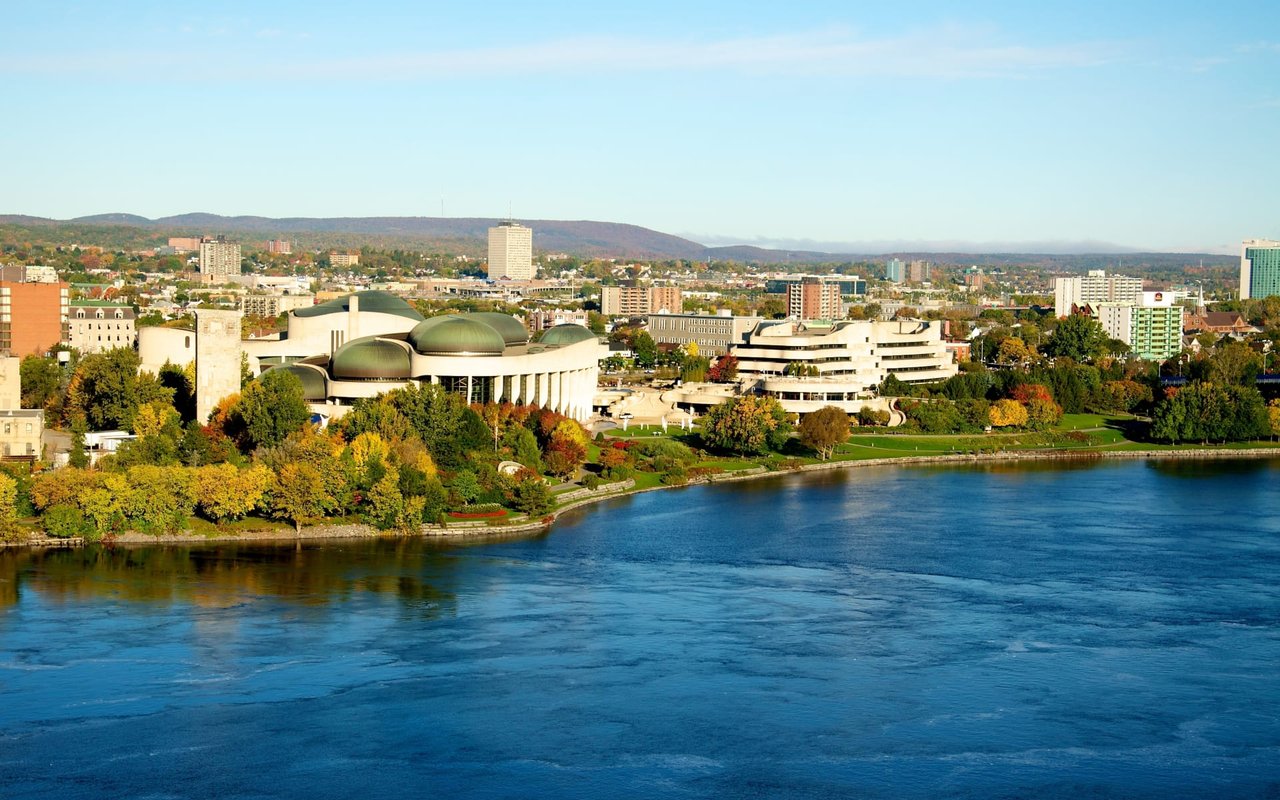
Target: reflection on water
220,576
1012,630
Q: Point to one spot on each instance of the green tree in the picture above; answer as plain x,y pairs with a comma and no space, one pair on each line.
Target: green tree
529,494
8,506
41,380
271,408
1078,337
106,389
823,430
645,350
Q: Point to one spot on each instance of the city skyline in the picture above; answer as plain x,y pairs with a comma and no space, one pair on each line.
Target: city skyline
1144,127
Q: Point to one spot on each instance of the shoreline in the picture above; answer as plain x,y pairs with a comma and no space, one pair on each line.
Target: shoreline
355,531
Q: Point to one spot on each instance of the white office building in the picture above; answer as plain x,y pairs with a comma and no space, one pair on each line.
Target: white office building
218,257
1093,288
511,252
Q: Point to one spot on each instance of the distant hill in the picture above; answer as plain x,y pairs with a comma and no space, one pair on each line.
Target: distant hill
584,238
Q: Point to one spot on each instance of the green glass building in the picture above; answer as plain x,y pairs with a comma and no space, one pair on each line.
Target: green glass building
1259,269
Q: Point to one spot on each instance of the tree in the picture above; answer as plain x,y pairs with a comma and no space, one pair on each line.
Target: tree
224,491
8,506
1077,336
1042,413
529,494
645,349
78,457
1013,352
1008,414
298,495
868,416
743,424
106,389
823,430
1273,418
41,380
725,370
271,408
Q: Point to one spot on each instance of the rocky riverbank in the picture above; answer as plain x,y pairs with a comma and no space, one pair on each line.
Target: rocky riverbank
582,497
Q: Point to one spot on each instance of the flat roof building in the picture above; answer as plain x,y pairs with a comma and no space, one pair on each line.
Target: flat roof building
1259,268
510,252
218,257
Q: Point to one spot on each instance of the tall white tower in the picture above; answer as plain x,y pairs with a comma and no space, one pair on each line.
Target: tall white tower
511,252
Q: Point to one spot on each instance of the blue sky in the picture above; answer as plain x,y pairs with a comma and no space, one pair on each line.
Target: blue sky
1142,124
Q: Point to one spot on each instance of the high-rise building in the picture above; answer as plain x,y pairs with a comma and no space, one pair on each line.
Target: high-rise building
280,247
636,301
337,259
893,271
814,299
1093,288
1152,326
511,252
919,272
1259,268
218,257
33,313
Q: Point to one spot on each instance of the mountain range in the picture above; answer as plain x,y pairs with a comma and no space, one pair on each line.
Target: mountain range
584,238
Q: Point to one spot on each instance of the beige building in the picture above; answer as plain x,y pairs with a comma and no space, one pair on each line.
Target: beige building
510,252
713,334
10,383
637,301
850,359
95,326
344,259
20,432
273,305
218,358
218,257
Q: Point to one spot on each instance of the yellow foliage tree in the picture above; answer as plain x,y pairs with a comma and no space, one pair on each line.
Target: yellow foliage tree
152,418
225,492
1273,417
1008,414
368,447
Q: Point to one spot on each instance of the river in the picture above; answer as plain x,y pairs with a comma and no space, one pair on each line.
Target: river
1011,630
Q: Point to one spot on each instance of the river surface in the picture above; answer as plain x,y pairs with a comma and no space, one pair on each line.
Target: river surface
1102,630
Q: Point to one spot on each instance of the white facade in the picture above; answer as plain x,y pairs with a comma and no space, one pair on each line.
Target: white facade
852,357
218,360
1092,288
96,328
511,252
273,305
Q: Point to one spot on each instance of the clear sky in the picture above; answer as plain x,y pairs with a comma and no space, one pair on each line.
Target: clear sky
1143,124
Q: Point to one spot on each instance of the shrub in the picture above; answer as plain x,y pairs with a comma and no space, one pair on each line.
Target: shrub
65,522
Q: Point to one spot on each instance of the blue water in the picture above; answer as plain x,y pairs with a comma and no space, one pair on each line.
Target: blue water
1109,630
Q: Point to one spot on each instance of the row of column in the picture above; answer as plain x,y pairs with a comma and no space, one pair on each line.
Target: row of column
567,392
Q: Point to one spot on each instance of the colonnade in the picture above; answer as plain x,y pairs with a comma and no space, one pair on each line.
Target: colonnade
567,392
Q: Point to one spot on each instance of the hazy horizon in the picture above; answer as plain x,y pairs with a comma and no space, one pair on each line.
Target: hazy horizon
1143,126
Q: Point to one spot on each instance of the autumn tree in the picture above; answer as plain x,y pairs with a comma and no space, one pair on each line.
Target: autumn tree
724,370
1008,414
1013,352
8,506
823,430
298,495
744,424
224,491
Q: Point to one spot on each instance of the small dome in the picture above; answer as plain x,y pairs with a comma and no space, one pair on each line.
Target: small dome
566,334
456,335
314,386
512,330
370,358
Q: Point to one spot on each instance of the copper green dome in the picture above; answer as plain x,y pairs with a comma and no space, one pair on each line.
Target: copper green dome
566,334
372,301
370,358
456,335
314,386
512,330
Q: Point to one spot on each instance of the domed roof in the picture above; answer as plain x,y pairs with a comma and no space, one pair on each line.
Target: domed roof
566,334
370,358
456,335
512,329
372,301
314,385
